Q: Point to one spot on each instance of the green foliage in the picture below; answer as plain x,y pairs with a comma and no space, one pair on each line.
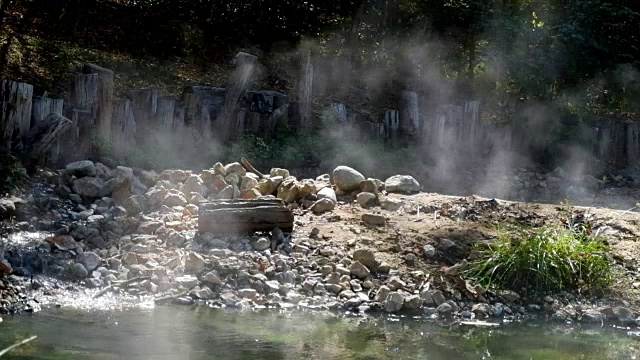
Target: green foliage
12,174
547,259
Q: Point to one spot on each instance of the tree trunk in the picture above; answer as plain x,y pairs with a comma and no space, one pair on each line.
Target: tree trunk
104,106
15,114
305,90
243,216
238,84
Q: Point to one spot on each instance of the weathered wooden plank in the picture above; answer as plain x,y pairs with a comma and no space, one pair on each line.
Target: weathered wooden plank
243,216
104,105
15,113
239,82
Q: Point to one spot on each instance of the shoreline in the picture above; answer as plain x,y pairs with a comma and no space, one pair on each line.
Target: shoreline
132,241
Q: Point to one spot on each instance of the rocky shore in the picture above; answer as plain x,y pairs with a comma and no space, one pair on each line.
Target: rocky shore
359,245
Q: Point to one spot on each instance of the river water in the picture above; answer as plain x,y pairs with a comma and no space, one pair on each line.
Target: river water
175,332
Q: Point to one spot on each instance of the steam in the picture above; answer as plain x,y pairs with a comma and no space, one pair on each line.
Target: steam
477,156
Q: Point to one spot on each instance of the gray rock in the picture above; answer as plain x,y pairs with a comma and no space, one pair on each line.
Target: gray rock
90,260
445,309
226,193
366,199
261,244
173,199
186,281
367,258
426,297
481,309
248,293
391,204
194,263
347,179
135,204
393,302
371,185
327,193
322,206
412,302
75,198
81,168
7,208
438,297
212,278
359,270
194,184
90,187
149,227
429,251
373,219
401,184
382,293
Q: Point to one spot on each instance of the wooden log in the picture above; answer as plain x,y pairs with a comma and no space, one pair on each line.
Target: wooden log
243,216
178,115
15,114
305,89
239,83
104,105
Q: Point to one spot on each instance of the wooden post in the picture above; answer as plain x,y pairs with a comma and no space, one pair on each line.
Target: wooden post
123,128
178,115
43,106
633,143
238,84
201,105
104,105
144,103
165,111
305,89
40,141
84,99
15,114
409,113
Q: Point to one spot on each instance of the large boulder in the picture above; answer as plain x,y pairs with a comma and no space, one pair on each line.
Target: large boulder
401,184
81,168
347,179
90,187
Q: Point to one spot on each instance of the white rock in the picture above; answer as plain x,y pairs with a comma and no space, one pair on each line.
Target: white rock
347,179
401,184
327,193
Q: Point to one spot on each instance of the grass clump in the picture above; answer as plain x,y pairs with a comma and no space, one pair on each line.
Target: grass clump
12,174
542,260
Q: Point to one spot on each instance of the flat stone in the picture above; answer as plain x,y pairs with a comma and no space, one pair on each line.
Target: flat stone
373,219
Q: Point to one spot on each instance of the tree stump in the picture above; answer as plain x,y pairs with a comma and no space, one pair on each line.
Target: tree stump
104,105
15,114
236,217
43,137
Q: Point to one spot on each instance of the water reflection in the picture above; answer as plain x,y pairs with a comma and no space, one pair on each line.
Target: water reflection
200,333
